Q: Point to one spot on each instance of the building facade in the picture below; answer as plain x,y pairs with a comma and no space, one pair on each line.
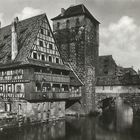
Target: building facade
35,84
107,66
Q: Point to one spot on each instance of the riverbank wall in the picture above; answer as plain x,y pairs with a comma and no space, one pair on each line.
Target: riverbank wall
20,113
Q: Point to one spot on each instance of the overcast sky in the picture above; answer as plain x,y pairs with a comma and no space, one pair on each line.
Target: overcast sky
119,28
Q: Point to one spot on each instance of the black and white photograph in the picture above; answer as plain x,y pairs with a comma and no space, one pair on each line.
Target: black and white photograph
69,70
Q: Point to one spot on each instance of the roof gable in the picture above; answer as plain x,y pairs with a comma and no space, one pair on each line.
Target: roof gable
74,11
105,58
44,46
26,30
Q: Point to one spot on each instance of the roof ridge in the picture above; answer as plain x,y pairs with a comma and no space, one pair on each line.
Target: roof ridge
75,10
105,55
33,17
24,20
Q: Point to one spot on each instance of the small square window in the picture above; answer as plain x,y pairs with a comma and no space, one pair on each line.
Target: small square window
18,88
106,60
105,72
8,107
9,88
35,55
42,31
49,33
50,59
41,43
57,60
50,46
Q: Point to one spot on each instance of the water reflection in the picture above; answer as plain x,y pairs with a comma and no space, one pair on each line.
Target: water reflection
113,125
53,131
124,115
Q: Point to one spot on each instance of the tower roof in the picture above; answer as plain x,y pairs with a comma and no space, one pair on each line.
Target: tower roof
75,11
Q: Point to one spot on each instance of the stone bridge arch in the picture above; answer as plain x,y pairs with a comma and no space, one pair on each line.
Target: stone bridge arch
132,99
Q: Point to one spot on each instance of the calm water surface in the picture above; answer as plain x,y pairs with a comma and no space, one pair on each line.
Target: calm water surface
113,125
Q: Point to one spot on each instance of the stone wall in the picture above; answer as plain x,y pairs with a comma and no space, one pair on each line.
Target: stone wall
34,112
79,46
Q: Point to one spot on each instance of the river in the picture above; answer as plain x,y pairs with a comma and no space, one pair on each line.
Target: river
120,124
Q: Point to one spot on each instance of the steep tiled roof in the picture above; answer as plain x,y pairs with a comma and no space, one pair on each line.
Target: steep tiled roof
74,79
26,31
105,57
44,64
75,11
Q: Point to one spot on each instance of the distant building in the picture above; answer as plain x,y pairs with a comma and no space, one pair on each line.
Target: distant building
107,66
123,71
115,81
116,85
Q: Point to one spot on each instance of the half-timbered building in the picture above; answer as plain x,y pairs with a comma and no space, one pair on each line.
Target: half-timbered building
35,83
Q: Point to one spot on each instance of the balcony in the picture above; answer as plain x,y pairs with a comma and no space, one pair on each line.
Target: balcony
52,77
12,96
53,96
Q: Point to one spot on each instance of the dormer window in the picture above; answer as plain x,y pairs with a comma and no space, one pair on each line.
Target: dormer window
41,43
67,24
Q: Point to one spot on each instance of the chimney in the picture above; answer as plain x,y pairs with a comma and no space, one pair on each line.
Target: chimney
16,19
14,51
62,11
